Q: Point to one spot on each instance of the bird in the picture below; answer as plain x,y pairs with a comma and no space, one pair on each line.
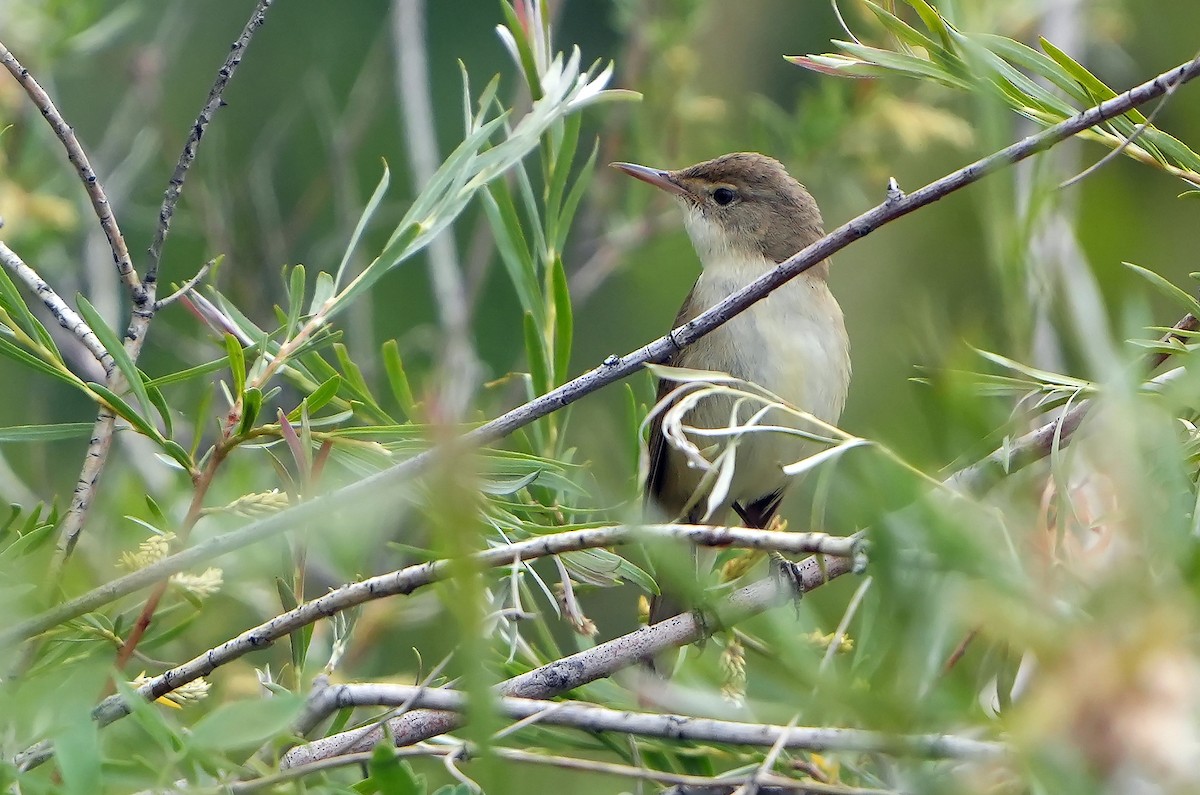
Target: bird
744,214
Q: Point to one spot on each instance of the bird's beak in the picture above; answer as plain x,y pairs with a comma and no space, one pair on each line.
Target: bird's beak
656,177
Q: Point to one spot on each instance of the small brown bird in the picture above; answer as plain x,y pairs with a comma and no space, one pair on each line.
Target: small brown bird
745,214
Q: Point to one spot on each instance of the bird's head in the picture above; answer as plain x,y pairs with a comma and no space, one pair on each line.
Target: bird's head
741,204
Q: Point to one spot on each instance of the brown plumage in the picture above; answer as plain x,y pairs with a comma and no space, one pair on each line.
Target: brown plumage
744,215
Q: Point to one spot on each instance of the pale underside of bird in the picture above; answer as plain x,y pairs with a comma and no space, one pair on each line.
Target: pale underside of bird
744,215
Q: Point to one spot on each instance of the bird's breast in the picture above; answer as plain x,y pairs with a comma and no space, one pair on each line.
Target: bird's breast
793,342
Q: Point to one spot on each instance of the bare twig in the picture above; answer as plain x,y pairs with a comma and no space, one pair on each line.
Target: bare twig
60,309
91,183
188,156
186,287
750,787
593,718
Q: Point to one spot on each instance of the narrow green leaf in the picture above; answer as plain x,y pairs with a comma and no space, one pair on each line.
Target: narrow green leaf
363,220
252,401
535,351
1090,83
564,321
561,163
195,372
1031,60
22,356
14,302
903,32
30,541
1173,149
160,405
109,339
155,511
322,293
242,724
181,456
900,63
514,38
503,488
45,433
1183,297
514,251
398,379
567,214
237,364
1039,375
934,21
126,412
297,284
319,397
287,598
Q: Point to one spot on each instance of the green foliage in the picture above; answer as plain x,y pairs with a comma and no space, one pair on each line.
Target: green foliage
326,373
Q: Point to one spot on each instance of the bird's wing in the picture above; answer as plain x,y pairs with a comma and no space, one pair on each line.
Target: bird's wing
657,472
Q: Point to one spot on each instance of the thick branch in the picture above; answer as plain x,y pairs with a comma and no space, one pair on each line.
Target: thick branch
549,680
592,718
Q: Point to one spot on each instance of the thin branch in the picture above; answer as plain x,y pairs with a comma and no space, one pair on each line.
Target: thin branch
188,156
600,661
1038,443
187,286
528,757
591,718
616,368
142,292
60,309
79,159
1126,142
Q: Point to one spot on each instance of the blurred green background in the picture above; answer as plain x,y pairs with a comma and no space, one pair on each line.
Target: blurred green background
286,168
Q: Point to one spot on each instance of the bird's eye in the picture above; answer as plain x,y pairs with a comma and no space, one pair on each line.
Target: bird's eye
723,196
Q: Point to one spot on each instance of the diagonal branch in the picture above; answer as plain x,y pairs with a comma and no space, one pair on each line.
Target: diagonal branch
79,159
186,287
188,156
588,717
382,488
